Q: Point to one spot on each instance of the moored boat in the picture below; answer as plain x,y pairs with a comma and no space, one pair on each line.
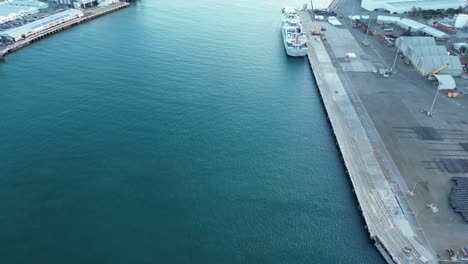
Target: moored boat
294,39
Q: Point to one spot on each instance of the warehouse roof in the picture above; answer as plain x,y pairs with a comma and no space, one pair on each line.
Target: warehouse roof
388,18
38,24
415,41
429,50
411,23
445,82
434,32
436,61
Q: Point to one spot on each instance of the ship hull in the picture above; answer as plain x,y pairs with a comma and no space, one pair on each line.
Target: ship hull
293,51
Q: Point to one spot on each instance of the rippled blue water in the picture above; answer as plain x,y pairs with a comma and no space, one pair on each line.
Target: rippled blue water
171,132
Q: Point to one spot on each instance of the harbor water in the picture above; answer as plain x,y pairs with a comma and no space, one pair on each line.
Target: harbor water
171,132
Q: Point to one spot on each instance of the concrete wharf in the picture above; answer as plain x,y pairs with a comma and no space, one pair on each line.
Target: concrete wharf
385,219
89,14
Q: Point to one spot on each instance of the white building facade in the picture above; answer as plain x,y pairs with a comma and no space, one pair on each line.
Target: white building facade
400,6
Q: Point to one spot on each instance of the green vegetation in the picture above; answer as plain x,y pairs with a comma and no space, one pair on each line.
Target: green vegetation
431,13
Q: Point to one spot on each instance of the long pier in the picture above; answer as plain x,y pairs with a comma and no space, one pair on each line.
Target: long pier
94,13
395,237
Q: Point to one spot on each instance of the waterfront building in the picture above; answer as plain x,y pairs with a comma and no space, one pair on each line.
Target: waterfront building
84,3
11,12
22,32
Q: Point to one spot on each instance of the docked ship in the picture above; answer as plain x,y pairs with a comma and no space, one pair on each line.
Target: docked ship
289,13
293,38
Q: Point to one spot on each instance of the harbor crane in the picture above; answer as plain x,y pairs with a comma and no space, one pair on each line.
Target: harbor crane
316,29
432,75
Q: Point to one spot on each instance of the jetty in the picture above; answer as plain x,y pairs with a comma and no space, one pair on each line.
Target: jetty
89,14
397,238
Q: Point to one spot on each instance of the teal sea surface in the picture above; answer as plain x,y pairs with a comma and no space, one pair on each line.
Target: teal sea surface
171,132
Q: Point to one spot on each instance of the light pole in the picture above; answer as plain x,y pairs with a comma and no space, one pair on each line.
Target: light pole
394,61
429,113
365,42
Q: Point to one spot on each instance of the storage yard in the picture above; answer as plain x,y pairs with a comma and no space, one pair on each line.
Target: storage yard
406,80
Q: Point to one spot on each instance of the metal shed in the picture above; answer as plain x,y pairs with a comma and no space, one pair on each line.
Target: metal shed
387,20
435,33
406,43
415,52
427,64
445,82
411,25
23,31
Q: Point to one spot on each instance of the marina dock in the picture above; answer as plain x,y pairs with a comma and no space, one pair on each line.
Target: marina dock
395,237
90,14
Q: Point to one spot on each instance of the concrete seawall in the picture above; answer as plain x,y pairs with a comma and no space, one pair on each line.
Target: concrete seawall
385,221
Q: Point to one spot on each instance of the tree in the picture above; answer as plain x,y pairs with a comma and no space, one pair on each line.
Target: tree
413,11
450,11
419,11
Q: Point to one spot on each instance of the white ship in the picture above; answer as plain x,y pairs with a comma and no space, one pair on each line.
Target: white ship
289,13
293,38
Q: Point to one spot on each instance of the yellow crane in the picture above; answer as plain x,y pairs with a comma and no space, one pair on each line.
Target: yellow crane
432,75
316,29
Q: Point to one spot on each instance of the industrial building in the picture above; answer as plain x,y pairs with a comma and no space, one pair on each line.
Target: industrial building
10,13
427,56
85,3
462,21
401,6
412,26
77,3
22,32
387,19
11,10
16,9
418,28
414,54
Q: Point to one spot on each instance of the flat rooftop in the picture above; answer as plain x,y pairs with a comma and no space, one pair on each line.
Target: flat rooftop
40,23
